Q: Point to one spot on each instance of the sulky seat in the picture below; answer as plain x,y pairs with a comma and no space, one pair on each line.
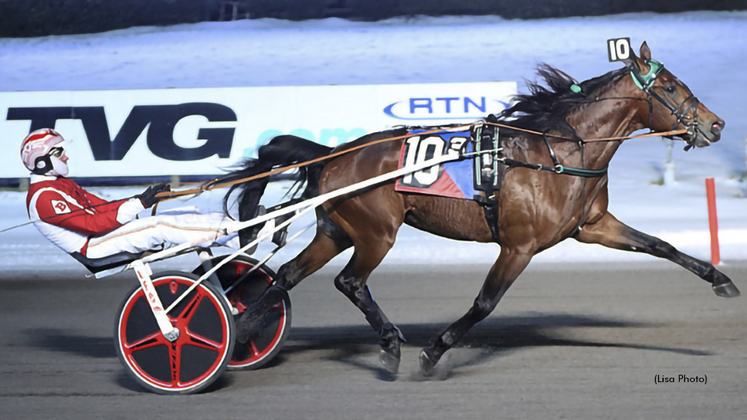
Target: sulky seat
95,265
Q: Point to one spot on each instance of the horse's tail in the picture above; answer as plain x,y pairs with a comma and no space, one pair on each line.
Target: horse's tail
281,151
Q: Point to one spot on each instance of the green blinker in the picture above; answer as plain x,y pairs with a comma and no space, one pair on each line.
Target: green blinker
648,78
575,88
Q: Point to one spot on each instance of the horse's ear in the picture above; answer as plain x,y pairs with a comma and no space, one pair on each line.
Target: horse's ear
632,61
645,52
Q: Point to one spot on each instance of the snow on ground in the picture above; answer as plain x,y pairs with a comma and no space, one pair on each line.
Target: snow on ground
706,50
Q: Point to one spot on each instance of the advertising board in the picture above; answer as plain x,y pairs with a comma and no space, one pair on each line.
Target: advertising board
203,131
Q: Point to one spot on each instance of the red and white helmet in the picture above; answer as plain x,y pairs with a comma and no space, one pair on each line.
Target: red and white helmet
36,148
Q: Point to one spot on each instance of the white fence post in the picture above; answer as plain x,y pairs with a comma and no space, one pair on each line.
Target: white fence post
23,184
175,182
669,165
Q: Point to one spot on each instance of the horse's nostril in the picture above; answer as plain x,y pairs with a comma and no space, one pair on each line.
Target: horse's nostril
717,127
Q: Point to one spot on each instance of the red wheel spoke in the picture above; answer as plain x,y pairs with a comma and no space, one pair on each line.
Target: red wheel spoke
191,307
155,339
202,342
253,349
175,356
241,307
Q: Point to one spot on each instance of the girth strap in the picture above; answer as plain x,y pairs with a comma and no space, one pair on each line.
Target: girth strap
490,208
488,174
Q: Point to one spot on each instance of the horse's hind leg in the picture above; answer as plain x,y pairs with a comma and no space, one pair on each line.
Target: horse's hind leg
352,283
506,269
371,220
321,249
610,232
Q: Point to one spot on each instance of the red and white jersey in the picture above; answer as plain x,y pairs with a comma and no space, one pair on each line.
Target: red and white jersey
68,215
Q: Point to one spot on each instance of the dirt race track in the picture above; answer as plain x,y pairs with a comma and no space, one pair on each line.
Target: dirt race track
567,341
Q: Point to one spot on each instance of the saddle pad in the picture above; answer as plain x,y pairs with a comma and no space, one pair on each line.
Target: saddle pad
451,179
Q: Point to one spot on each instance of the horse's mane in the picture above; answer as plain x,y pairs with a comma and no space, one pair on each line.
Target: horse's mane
545,108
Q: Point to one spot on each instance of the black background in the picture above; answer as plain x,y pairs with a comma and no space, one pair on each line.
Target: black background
30,18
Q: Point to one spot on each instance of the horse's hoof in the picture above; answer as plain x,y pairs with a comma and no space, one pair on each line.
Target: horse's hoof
244,327
728,290
391,341
390,362
242,333
427,363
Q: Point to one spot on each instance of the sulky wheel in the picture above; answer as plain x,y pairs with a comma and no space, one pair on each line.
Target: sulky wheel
200,354
270,334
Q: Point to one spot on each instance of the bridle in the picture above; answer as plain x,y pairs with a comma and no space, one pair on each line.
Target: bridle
645,83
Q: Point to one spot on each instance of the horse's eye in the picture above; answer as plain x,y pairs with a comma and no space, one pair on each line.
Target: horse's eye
670,88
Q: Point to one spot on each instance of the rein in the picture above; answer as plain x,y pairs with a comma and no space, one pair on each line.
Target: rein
642,81
210,185
597,140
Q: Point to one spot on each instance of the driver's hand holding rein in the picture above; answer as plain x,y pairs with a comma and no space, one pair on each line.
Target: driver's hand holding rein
80,222
149,196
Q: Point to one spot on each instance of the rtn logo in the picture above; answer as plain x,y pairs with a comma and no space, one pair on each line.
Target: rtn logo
443,108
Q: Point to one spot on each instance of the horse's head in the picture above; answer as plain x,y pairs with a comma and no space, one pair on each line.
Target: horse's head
672,106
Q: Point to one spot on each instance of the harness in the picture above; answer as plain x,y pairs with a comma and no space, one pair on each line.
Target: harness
646,81
490,169
490,131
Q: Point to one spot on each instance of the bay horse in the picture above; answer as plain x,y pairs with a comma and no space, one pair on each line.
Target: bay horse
536,209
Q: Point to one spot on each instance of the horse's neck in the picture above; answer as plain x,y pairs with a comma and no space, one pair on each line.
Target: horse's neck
606,118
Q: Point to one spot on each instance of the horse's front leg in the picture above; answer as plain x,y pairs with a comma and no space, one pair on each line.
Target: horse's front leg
612,233
511,262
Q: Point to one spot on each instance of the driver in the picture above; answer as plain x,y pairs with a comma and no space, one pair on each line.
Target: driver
81,223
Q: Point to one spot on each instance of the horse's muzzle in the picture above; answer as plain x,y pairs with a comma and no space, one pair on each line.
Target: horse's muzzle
716,129
697,137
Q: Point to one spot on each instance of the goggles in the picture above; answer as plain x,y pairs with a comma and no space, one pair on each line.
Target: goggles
56,152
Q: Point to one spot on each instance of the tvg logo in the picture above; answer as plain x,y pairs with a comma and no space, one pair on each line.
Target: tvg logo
157,120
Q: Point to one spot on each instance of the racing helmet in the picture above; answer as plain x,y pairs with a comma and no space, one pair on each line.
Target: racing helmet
39,149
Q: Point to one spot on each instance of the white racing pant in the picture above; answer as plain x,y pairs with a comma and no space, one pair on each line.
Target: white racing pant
163,231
